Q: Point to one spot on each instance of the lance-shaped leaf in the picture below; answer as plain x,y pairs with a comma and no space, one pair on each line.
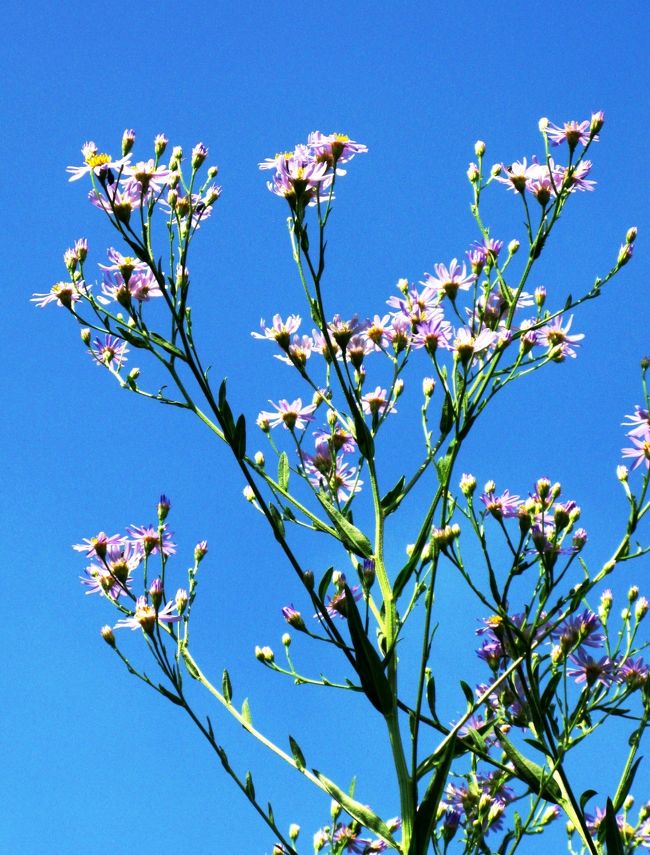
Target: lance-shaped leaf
246,712
626,784
278,525
226,686
169,695
365,442
325,583
535,776
447,415
613,839
298,756
390,502
367,662
283,471
427,811
351,537
249,786
239,438
357,811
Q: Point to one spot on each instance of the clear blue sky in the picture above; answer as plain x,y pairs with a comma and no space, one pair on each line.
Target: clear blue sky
92,762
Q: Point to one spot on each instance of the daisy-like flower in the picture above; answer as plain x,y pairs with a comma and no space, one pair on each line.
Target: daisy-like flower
333,474
299,179
109,351
337,605
119,202
124,264
634,673
575,177
466,345
433,333
334,148
348,838
96,162
501,506
448,281
590,671
338,439
113,576
98,545
374,403
639,421
146,176
572,132
556,337
290,415
99,580
280,331
61,293
640,453
376,331
146,616
149,539
517,175
298,351
141,286
579,630
342,330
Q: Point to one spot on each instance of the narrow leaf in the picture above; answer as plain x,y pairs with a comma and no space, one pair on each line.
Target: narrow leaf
447,415
613,839
367,662
325,583
427,811
393,497
169,695
283,470
226,686
246,712
584,798
361,813
351,537
239,438
535,776
298,756
249,786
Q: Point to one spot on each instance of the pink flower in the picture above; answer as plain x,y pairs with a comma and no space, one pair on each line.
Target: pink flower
448,281
571,132
148,539
557,339
334,148
146,616
280,331
109,351
62,293
95,162
290,415
145,176
639,422
640,453
374,403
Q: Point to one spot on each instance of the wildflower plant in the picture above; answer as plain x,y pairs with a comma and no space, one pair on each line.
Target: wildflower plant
559,660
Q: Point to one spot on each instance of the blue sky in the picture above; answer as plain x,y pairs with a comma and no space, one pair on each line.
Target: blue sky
93,762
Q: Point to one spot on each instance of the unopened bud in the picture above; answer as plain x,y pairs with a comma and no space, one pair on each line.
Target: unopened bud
264,654
200,551
479,148
428,386
513,246
403,285
181,600
293,618
622,473
164,506
213,171
172,199
133,375
294,831
641,608
490,487
540,296
128,139
473,173
630,237
259,458
543,124
625,614
467,484
85,335
398,388
249,493
156,592
263,423
338,579
160,144
579,538
107,635
199,154
286,639
597,121
633,594
625,254
628,804
496,169
308,580
81,249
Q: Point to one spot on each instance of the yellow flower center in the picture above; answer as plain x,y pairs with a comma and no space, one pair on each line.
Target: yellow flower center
101,159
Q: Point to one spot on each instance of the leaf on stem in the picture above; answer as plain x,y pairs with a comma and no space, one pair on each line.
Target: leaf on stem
367,662
249,787
390,502
298,756
535,776
351,537
613,839
246,712
427,811
226,686
357,811
283,471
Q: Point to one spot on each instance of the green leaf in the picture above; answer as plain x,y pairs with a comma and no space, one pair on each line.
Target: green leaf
469,694
391,500
367,662
626,785
246,712
442,467
351,537
325,583
166,345
249,787
363,436
431,695
278,525
283,471
357,811
298,756
226,686
447,415
135,340
535,776
427,811
584,798
170,695
613,839
239,438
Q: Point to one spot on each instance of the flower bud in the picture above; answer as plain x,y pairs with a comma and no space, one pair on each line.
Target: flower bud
160,144
213,171
259,459
540,296
172,199
398,388
338,579
633,594
622,473
479,148
579,538
644,812
128,139
641,608
473,173
597,121
286,639
630,237
200,551
156,592
199,154
249,493
368,574
85,335
107,634
496,169
490,487
264,654
293,618
403,285
552,812
625,254
628,804
70,260
164,506
308,580
294,831
263,424
543,124
467,484
177,156
625,614
645,363
213,193
428,386
181,600
81,249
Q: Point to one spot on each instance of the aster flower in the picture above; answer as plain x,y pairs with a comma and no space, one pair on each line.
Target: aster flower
433,333
61,293
634,673
448,281
299,179
501,506
577,630
99,580
149,539
518,174
348,838
374,403
572,132
280,331
590,671
556,337
146,176
640,453
342,330
331,473
575,177
298,351
466,345
376,332
109,351
96,162
290,415
98,545
639,421
120,202
146,616
124,264
334,148
337,439
337,606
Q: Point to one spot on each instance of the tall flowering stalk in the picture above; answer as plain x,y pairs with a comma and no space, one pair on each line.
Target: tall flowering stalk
557,664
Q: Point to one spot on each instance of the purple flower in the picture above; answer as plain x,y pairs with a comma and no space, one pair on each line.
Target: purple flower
124,264
589,670
639,421
146,616
571,132
298,351
374,403
109,351
334,148
556,337
146,176
96,162
333,474
290,415
501,506
634,673
98,545
280,331
149,539
640,453
433,333
62,293
337,606
448,281
577,630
